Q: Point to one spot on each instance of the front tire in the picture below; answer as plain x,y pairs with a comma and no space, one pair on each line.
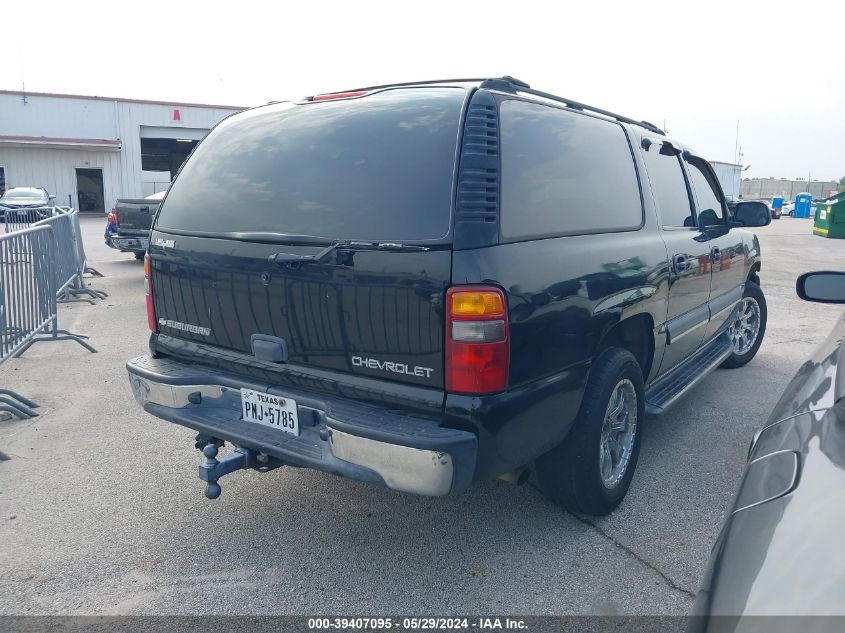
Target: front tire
591,470
748,328
139,255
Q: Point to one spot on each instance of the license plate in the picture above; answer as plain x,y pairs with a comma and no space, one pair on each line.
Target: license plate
273,411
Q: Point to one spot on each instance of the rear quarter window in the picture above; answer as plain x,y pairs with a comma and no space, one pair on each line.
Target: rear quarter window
564,173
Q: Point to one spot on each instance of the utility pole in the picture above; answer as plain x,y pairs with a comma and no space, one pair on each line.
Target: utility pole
736,144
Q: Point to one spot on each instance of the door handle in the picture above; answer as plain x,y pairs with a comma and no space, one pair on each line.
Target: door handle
715,254
679,262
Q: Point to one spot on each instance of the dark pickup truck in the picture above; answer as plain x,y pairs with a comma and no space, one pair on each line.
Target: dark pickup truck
128,225
426,285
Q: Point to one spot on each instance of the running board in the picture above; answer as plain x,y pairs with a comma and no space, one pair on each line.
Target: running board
666,391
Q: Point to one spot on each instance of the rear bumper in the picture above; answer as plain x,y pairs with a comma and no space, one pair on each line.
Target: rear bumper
134,244
345,437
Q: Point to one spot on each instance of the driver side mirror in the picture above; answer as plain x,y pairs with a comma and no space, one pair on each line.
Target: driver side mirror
752,214
821,287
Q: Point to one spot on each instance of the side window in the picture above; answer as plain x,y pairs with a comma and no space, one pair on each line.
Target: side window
669,185
707,199
564,173
2,180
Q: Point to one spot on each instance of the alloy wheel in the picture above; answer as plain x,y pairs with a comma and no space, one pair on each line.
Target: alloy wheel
618,433
745,327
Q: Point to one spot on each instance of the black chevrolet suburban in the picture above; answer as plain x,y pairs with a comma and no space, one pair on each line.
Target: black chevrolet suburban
424,285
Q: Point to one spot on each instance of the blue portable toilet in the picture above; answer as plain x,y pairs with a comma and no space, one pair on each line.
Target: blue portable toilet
777,202
803,202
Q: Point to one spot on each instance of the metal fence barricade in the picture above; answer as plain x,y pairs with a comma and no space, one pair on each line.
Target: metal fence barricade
70,258
28,302
15,219
80,250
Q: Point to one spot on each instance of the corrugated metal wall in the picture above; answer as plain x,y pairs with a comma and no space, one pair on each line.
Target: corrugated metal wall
79,118
131,116
55,170
48,116
767,188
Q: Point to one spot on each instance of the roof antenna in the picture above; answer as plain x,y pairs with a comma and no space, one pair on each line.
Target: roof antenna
23,83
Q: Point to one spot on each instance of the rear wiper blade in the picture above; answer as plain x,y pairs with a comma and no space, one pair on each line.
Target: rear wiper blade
285,259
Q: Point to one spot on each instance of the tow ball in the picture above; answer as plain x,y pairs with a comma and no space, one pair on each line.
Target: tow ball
212,469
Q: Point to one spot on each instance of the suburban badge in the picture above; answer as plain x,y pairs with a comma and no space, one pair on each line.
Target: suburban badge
185,327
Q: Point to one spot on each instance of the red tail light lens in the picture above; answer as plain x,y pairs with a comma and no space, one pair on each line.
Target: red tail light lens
112,217
477,340
148,291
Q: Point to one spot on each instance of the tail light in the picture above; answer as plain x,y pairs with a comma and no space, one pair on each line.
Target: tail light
112,216
148,291
477,340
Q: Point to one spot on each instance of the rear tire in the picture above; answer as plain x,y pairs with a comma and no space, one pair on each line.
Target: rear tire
750,322
591,470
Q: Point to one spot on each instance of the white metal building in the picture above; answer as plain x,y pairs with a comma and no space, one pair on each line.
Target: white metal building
89,151
729,176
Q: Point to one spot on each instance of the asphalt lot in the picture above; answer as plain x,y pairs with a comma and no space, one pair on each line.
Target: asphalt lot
101,510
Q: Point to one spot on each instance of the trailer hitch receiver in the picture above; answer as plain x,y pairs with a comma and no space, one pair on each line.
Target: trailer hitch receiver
213,469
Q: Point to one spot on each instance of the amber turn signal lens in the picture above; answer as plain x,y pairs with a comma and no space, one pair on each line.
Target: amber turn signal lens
480,303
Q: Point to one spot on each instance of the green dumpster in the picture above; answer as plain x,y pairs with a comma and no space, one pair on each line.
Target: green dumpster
830,217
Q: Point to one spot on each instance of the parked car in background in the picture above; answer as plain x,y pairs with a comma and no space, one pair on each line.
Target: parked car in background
26,202
417,286
780,551
788,208
128,224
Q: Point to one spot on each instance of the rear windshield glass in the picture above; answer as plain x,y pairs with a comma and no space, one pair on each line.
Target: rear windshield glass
379,167
565,173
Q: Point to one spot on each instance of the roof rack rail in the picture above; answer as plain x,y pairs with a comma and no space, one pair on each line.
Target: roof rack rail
575,105
427,82
507,82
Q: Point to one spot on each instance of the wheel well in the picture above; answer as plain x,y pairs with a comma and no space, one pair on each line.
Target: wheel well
635,335
753,273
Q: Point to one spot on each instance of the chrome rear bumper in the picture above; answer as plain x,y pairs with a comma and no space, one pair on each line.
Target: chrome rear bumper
344,437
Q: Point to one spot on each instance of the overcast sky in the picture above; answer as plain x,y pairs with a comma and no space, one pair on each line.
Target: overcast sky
778,68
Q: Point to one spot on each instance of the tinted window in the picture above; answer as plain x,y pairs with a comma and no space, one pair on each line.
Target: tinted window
709,205
564,173
379,167
669,186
